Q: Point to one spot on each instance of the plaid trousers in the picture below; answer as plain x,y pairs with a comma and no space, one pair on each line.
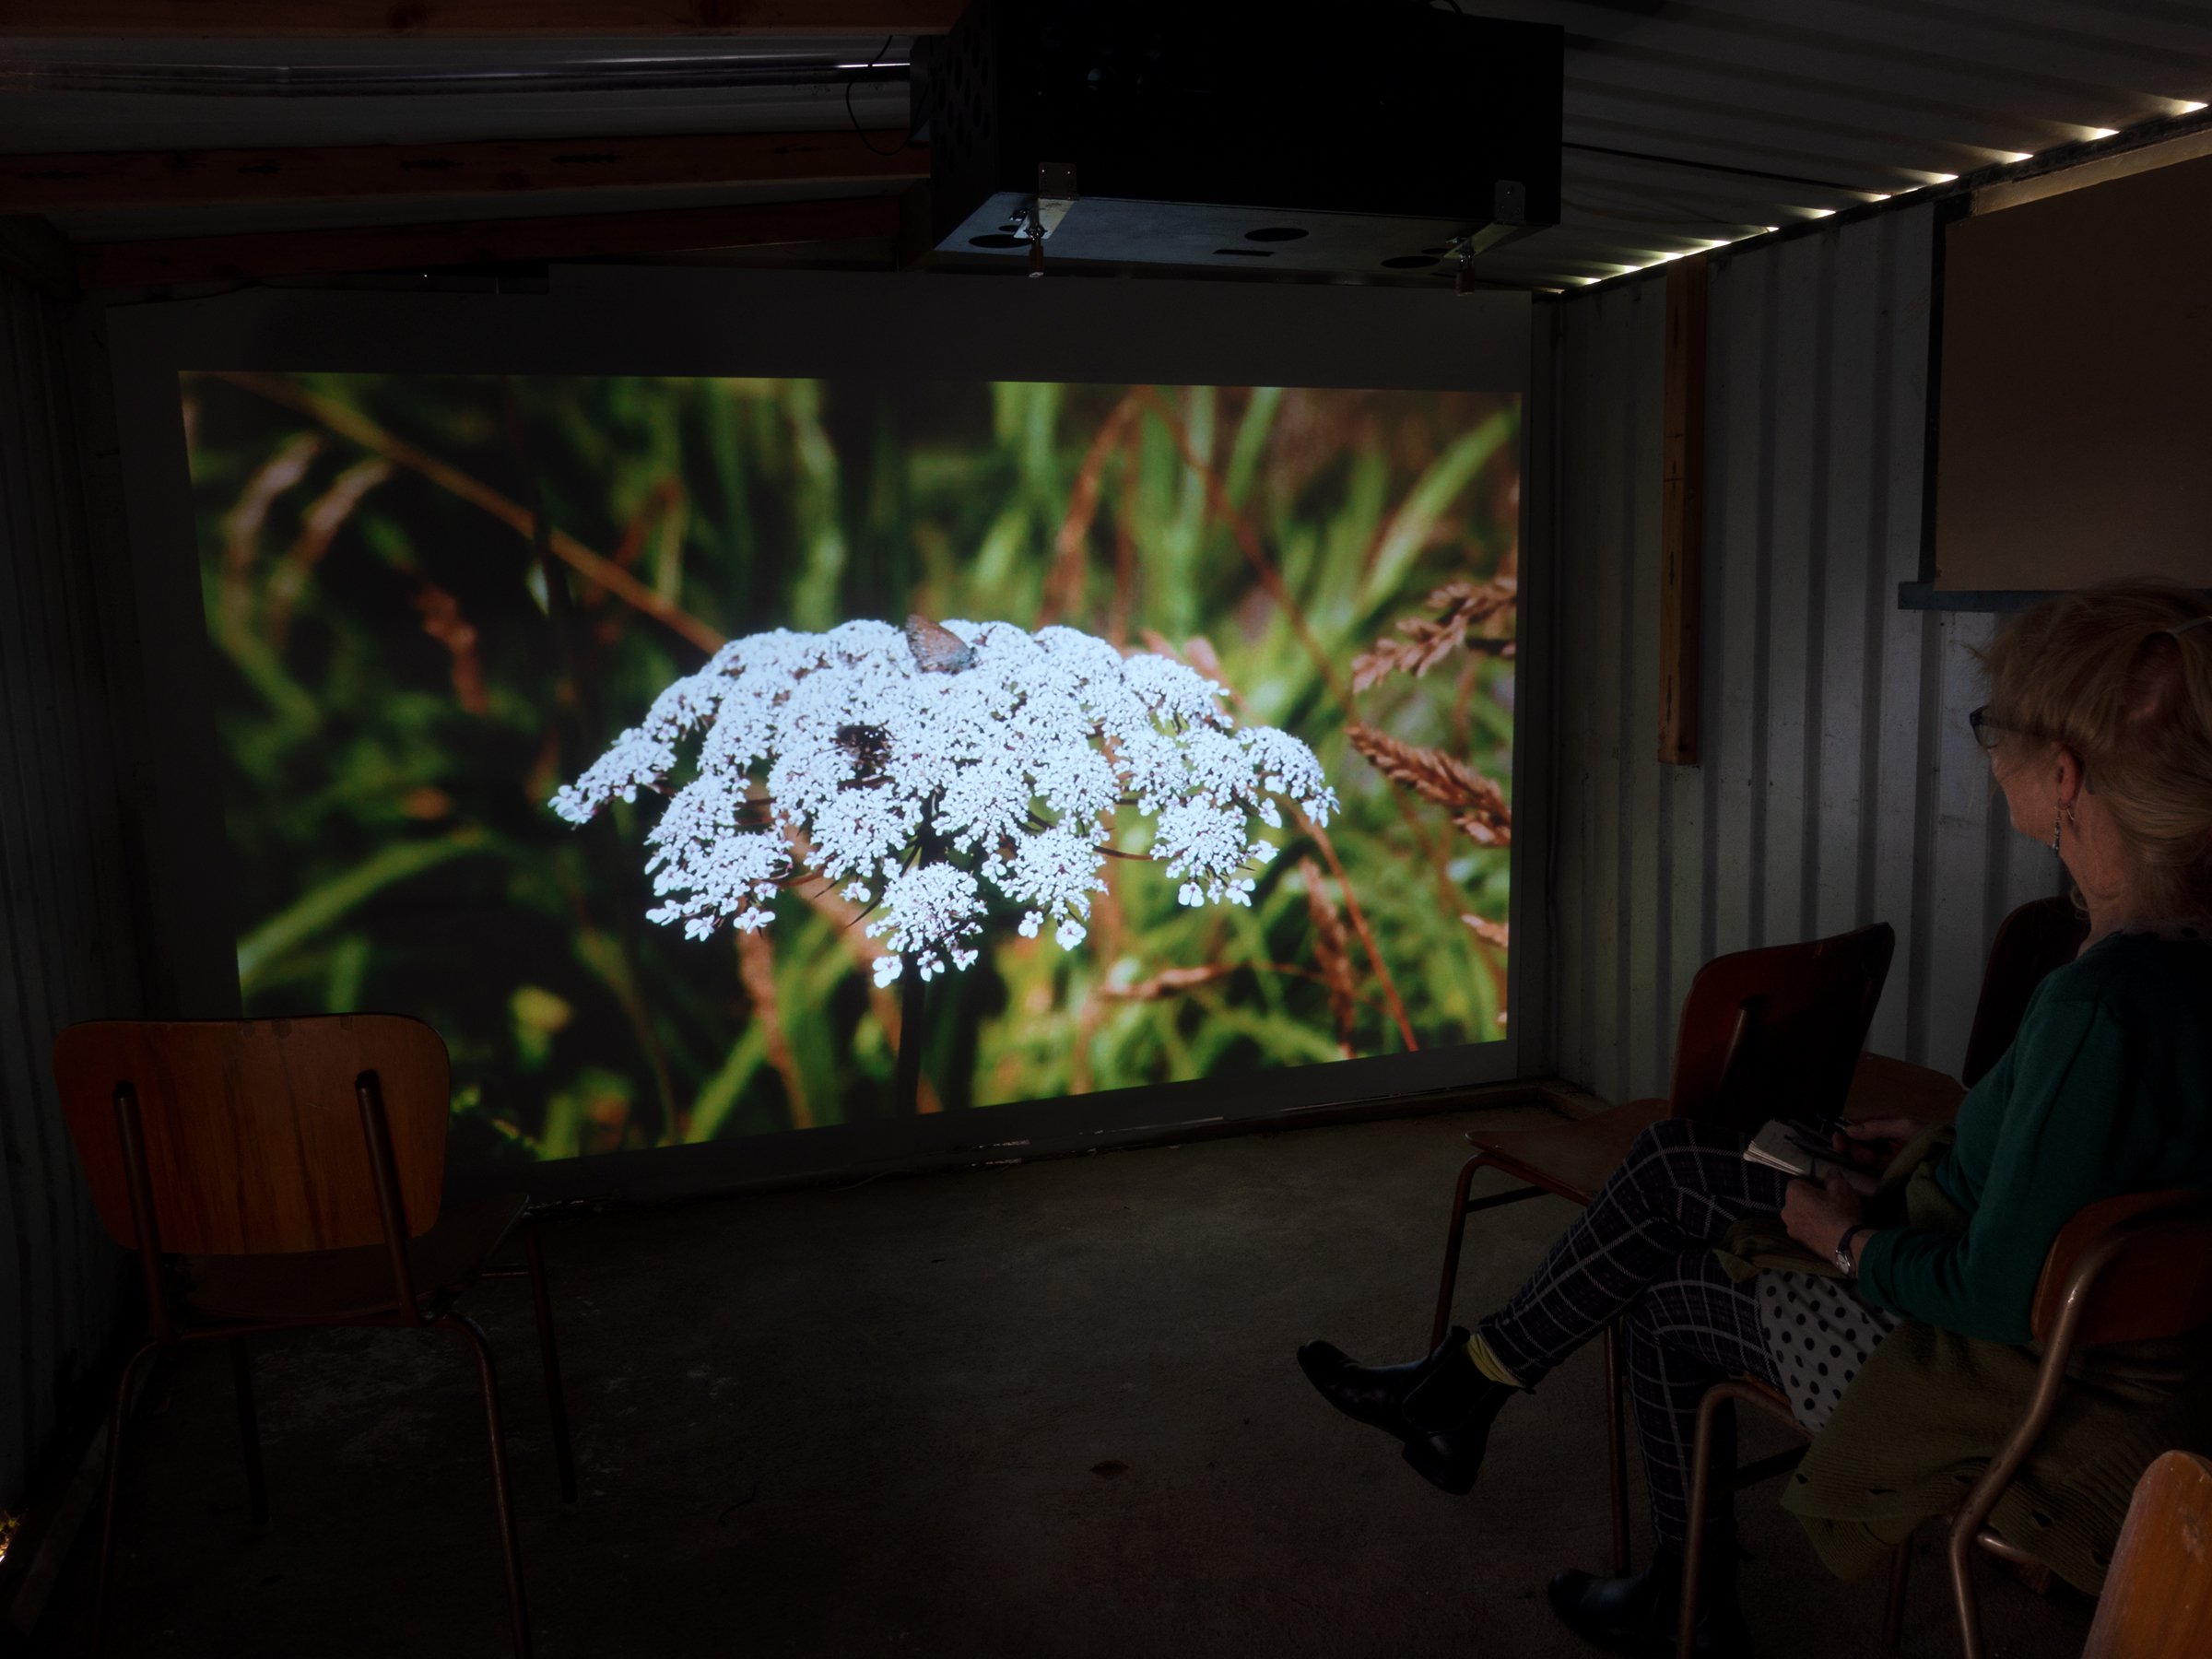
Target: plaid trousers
1641,1248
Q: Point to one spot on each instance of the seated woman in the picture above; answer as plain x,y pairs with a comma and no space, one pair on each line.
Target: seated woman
1900,1335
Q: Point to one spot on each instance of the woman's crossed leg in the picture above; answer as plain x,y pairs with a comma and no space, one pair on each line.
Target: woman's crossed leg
1641,1251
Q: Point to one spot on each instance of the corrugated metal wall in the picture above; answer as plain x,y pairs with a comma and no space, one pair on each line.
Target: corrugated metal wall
67,948
1838,783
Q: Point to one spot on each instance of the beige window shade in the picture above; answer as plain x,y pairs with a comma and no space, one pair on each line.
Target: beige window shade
2075,429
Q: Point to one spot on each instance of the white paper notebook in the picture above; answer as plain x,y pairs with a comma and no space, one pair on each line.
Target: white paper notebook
1791,1149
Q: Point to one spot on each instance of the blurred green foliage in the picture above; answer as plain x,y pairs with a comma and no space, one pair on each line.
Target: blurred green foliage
409,673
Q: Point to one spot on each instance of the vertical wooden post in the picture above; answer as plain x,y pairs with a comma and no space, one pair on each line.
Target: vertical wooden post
1682,513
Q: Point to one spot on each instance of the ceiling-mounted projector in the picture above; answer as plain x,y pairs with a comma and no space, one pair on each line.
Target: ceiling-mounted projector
1373,137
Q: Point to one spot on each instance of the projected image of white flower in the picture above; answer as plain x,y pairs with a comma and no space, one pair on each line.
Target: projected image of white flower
1215,786
923,771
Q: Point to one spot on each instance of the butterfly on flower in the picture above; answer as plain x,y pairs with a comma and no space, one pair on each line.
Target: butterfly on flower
938,649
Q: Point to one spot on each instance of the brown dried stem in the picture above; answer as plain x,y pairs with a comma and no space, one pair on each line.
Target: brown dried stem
319,526
1256,555
242,526
757,973
352,424
1064,584
1493,934
1360,926
1246,537
1490,932
1172,982
1125,550
1477,805
443,621
1464,607
1200,654
863,951
1333,951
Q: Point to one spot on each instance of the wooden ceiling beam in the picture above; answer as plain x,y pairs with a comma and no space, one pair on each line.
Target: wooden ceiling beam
511,19
34,251
125,179
481,241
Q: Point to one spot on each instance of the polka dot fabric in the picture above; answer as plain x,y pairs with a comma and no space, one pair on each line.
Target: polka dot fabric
1820,1333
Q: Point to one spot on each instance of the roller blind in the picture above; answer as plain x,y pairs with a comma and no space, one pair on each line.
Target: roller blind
2075,434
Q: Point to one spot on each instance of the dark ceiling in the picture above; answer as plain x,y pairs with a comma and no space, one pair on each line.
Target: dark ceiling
1687,125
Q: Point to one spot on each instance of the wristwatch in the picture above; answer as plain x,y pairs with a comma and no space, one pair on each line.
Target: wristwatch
1842,1256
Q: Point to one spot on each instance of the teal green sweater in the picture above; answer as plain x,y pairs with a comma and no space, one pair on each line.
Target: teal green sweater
2107,1089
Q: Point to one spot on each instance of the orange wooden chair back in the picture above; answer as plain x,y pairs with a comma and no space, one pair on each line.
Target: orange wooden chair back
252,1131
2157,1598
1776,1033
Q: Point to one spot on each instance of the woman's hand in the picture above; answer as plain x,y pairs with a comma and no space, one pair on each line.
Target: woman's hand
1890,1134
1817,1217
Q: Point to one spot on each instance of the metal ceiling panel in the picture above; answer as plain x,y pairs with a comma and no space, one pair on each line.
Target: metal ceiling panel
1688,124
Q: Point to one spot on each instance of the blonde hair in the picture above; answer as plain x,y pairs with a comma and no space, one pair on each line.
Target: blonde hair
2122,675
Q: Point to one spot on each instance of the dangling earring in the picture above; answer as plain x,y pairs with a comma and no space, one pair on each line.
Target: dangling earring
2058,819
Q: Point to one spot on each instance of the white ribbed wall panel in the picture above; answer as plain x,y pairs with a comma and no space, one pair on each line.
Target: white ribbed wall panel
1838,783
67,947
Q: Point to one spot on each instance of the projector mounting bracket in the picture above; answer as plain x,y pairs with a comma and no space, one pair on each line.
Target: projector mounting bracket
1056,192
1042,214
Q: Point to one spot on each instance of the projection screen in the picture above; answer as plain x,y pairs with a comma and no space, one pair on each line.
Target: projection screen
781,724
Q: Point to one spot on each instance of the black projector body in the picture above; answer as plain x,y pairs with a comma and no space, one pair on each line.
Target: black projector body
1363,137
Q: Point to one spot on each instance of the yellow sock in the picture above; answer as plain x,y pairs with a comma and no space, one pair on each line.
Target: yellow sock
1486,1362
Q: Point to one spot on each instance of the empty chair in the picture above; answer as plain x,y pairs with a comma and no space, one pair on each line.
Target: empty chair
276,1173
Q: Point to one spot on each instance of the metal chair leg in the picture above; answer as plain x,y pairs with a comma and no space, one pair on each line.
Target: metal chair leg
1449,1281
1893,1611
518,1612
548,1353
1962,1592
1617,1450
119,1414
1715,1402
249,1433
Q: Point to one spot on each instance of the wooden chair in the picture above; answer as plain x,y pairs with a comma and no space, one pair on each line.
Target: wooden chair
1721,1398
2037,937
276,1173
1761,1030
2158,1596
2034,940
2126,1269
2042,935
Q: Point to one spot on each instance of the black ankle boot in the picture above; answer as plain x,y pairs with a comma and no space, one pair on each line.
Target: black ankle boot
1640,1616
1441,1407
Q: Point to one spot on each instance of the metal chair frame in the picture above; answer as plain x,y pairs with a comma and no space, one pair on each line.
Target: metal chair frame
1969,1526
411,1310
2029,942
1698,1101
1722,1397
1541,1185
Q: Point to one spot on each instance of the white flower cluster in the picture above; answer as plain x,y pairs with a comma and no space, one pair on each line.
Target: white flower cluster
915,785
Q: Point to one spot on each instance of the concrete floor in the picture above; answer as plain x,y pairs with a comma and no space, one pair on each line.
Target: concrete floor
1038,1410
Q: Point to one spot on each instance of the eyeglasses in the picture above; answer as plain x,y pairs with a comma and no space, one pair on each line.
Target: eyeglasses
1987,731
